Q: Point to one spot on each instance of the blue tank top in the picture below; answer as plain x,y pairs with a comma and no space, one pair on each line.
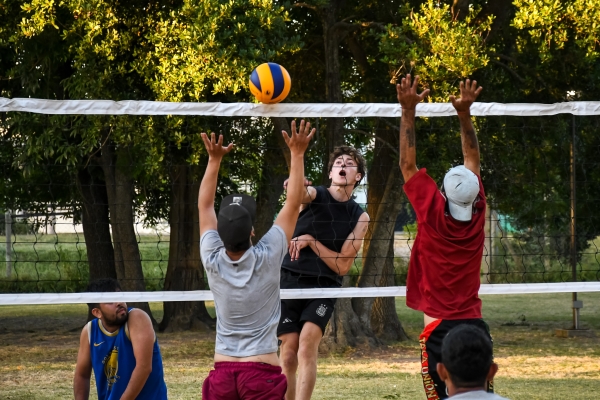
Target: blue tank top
113,362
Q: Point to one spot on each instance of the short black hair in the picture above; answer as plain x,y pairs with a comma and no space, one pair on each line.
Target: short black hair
101,286
467,355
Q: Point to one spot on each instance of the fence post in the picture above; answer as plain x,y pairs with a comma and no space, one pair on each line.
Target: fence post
8,231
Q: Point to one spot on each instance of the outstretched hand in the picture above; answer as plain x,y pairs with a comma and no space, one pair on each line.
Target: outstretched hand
407,93
468,94
215,148
299,140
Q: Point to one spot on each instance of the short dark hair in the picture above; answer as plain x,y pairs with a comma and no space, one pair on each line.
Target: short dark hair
101,286
356,156
467,356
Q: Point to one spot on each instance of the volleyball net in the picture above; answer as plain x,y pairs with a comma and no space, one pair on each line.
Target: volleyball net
97,188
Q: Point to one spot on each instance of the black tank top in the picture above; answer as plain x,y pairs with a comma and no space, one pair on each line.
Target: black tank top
330,222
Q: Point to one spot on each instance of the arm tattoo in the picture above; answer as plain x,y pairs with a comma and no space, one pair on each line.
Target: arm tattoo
471,138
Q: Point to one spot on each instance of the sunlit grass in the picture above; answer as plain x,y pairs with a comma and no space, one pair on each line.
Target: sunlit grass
38,349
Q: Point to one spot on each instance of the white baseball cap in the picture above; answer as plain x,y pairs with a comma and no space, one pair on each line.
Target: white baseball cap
462,187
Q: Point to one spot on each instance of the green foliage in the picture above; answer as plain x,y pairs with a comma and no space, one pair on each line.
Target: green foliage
436,46
552,24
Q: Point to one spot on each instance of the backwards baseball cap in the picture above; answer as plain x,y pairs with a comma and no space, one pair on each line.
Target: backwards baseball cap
462,187
236,219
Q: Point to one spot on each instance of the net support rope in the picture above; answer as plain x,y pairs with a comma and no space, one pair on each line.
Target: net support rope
305,110
206,295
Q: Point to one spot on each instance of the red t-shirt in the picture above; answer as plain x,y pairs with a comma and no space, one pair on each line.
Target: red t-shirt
443,274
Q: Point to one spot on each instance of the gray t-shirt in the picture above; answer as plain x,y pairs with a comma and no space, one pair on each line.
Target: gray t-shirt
246,292
477,395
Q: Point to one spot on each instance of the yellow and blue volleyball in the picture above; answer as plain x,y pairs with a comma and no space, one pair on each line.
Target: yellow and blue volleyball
270,83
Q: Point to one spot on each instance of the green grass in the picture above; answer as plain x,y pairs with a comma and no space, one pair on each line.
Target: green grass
58,263
38,349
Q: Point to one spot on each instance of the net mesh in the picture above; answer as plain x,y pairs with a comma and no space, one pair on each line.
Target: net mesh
87,193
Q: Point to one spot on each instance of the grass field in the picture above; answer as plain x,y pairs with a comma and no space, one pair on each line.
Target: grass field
38,348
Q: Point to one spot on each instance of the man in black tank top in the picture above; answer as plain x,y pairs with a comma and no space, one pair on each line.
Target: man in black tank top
329,232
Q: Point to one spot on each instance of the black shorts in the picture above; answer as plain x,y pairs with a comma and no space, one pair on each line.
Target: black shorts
431,353
295,312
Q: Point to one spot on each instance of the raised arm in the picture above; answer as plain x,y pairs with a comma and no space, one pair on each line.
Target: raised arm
298,143
142,340
208,187
470,146
408,99
83,368
341,262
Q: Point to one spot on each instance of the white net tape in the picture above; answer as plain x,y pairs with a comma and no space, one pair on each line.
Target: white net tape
307,110
304,110
206,295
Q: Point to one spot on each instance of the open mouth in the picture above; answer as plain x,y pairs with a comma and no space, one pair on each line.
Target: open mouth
342,173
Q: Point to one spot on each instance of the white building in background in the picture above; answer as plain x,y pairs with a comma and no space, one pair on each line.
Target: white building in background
61,224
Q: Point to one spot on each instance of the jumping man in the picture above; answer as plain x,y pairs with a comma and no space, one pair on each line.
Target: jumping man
443,274
244,278
330,230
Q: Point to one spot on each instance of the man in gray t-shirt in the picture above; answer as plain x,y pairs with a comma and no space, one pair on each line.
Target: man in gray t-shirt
244,278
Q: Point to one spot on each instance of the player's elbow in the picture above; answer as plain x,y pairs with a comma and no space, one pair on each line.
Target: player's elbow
344,267
145,369
407,166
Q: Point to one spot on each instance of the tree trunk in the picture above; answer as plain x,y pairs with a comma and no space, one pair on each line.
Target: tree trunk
119,188
275,170
96,225
383,230
331,39
384,318
185,270
345,328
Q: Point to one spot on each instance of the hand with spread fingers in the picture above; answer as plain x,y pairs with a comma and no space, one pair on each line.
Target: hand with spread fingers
299,139
215,148
407,93
468,94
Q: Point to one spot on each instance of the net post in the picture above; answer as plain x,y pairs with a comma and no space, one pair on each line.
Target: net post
8,232
573,260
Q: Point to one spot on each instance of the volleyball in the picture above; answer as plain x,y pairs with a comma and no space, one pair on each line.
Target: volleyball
270,83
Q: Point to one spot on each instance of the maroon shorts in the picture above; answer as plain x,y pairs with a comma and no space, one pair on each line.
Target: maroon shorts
244,381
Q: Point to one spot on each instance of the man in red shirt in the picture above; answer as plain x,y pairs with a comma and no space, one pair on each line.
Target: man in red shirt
443,274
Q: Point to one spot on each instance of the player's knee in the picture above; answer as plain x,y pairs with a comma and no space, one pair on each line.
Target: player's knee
289,342
308,352
289,360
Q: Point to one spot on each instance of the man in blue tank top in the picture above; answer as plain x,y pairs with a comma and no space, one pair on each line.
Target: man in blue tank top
330,230
120,346
244,279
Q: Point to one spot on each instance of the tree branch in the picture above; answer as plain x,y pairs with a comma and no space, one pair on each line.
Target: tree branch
520,64
509,69
350,27
305,5
374,136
